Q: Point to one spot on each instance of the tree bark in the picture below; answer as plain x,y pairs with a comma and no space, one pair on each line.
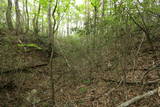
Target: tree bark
51,45
49,21
68,25
27,27
9,15
103,8
18,22
35,21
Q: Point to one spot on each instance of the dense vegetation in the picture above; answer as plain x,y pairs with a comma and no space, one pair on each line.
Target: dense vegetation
79,53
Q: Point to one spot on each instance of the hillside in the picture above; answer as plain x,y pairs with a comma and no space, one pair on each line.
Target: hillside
72,53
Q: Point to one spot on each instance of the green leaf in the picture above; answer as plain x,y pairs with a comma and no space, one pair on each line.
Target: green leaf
83,90
87,81
29,45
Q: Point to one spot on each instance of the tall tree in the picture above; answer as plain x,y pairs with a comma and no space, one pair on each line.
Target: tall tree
18,22
49,20
9,15
103,7
35,20
27,26
95,4
68,23
51,34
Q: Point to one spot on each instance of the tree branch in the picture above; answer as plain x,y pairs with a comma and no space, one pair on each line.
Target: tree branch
23,69
138,98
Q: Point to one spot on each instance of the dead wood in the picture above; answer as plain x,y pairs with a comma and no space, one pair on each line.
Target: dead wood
133,83
20,70
154,67
138,98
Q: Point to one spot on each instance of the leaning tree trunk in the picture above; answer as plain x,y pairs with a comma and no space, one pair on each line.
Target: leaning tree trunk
9,15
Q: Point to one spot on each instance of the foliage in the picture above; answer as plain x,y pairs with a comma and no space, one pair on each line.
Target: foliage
79,40
87,81
83,90
29,45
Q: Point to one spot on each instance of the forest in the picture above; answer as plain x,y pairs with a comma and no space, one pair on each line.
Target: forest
79,53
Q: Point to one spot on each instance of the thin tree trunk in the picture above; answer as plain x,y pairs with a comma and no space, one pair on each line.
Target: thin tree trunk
49,21
35,21
27,27
144,29
42,25
51,58
103,8
95,26
68,25
52,30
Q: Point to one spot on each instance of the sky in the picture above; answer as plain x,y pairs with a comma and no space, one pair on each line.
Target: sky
79,1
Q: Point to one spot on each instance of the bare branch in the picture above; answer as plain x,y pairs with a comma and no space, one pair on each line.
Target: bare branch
138,98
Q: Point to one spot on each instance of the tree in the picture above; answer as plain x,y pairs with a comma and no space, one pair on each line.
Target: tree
96,5
51,35
18,22
143,26
35,21
103,7
9,15
27,14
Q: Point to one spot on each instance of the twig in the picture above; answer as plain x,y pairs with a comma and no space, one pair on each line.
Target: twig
150,69
139,47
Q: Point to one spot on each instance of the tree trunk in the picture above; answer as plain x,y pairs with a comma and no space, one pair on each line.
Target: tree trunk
95,26
51,58
68,25
49,21
103,8
8,15
35,21
27,26
42,24
18,22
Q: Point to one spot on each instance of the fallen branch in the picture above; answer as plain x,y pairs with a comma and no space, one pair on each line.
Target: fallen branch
41,101
118,82
150,69
134,83
23,69
138,98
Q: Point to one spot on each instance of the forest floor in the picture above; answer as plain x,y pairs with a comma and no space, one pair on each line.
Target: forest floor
104,89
